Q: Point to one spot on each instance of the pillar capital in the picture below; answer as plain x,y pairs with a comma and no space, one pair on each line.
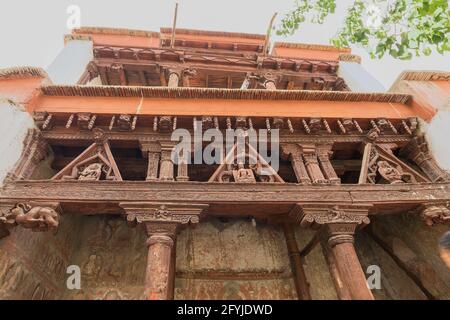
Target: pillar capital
162,215
345,217
149,146
291,150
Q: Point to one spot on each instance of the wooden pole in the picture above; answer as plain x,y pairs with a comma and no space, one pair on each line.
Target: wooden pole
301,283
174,26
269,31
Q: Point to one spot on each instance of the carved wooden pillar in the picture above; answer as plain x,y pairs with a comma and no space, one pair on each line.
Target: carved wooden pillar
340,222
294,153
159,271
417,151
324,153
151,151
161,222
182,166
166,166
174,78
347,263
35,150
312,165
341,290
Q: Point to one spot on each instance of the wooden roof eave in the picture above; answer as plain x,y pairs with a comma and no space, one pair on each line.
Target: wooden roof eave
221,93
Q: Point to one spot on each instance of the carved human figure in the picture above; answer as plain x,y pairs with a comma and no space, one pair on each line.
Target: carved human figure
92,172
389,173
35,218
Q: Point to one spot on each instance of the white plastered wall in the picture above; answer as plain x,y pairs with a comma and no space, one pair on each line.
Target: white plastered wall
437,134
71,62
14,125
357,78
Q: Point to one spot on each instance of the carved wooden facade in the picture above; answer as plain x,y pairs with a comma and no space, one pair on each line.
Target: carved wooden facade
335,171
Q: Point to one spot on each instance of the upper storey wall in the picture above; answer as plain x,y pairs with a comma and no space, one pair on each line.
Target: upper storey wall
117,37
307,51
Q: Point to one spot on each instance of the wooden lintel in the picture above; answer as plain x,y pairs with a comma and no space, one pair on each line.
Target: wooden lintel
258,197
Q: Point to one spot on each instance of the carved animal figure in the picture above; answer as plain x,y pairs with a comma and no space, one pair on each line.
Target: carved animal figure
35,218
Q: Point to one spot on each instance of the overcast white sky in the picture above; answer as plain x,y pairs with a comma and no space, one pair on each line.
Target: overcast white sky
31,32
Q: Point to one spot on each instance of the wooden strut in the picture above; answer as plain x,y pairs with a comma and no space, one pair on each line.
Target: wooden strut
311,244
301,283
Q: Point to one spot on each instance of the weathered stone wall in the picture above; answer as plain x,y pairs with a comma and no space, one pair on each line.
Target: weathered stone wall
414,246
215,260
321,285
233,260
112,257
33,265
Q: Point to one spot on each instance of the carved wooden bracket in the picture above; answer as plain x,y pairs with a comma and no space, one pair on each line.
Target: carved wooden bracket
417,150
313,215
380,165
434,213
37,216
160,212
340,221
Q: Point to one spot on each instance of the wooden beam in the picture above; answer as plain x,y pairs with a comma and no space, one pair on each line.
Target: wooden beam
220,193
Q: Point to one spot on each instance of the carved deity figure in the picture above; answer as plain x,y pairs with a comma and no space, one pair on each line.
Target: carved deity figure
35,218
244,175
389,173
92,172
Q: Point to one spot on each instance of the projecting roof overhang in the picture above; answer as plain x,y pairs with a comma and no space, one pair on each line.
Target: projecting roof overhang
220,102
